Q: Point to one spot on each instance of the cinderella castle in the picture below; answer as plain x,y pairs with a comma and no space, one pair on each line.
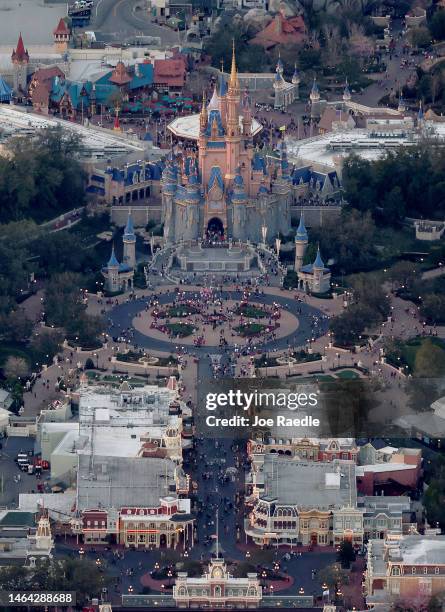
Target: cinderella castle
223,189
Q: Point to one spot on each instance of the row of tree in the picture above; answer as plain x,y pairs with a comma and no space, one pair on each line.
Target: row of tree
42,176
371,306
408,182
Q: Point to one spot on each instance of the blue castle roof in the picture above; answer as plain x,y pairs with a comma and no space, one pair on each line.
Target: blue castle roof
112,262
129,228
318,263
222,85
301,234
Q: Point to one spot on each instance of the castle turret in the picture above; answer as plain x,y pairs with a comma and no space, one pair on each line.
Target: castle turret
401,106
111,273
20,61
420,117
62,35
296,82
129,240
314,97
301,242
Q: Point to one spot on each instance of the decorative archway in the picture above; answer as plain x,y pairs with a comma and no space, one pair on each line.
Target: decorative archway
215,228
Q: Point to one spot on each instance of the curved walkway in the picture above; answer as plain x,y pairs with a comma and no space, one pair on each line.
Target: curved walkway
312,322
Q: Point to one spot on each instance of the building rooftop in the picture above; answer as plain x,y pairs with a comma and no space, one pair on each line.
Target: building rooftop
115,482
97,142
309,484
188,126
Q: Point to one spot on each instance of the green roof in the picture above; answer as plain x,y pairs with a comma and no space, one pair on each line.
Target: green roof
18,519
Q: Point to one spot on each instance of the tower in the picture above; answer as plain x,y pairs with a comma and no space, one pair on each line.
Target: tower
62,35
346,93
246,110
301,242
20,61
420,115
233,138
279,85
401,106
129,240
314,97
43,538
321,280
112,278
296,82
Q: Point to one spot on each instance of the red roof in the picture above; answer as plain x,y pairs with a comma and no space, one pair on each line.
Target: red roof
120,76
281,31
20,54
46,75
170,72
62,28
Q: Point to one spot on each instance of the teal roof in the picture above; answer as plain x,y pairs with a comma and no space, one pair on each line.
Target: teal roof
5,90
16,518
145,76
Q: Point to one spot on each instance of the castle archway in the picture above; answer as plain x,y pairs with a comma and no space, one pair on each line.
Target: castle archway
215,228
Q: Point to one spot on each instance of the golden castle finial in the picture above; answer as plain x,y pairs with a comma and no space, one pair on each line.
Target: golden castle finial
203,114
233,73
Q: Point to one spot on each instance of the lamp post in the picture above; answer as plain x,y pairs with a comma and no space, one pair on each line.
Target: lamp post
264,233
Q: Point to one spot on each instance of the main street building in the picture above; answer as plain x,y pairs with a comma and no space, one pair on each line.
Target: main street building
296,502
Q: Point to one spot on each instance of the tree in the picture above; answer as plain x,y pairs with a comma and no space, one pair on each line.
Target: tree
16,367
15,326
346,554
433,308
333,575
63,299
404,274
430,360
437,25
420,37
434,496
42,176
45,345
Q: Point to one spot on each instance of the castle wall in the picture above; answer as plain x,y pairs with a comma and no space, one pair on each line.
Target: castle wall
141,215
315,216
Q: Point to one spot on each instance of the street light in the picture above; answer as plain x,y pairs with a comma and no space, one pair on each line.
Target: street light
130,590
301,591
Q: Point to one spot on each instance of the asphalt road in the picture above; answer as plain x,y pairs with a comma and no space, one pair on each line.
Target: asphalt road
119,20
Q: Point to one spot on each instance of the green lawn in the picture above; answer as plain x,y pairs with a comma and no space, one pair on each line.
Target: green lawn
251,329
180,329
347,375
251,311
410,348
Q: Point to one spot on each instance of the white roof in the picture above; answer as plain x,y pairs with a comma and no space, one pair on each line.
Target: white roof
383,467
96,141
58,504
188,126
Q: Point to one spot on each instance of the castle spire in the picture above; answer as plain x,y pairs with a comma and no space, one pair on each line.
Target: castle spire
203,116
233,82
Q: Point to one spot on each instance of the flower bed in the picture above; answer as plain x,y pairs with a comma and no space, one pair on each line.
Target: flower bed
296,357
180,329
251,311
250,329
